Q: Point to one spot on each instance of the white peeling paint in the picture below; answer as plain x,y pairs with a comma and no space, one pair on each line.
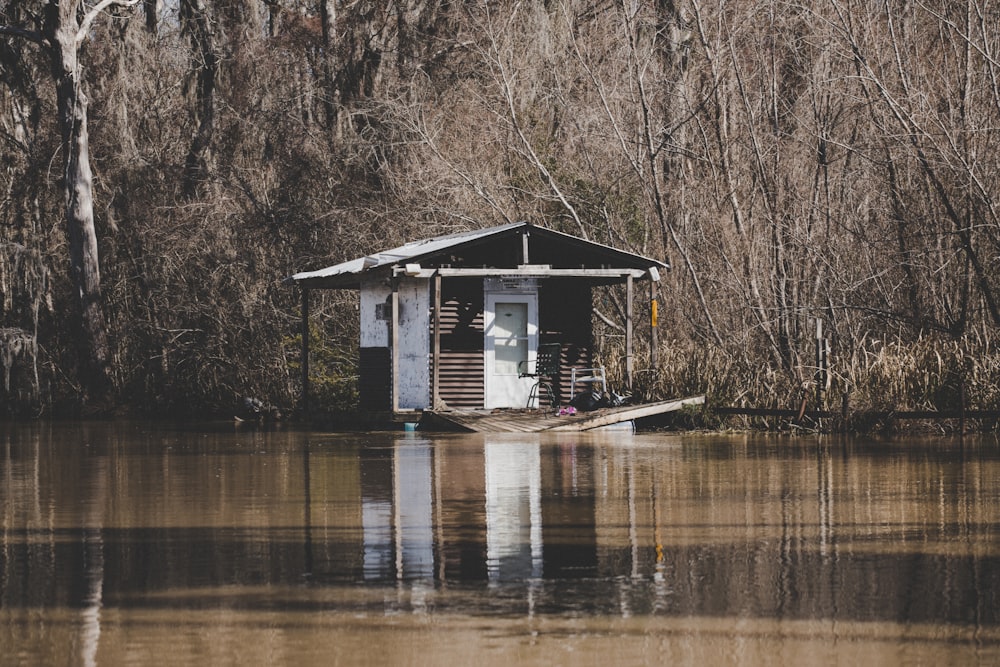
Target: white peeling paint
414,343
414,334
374,332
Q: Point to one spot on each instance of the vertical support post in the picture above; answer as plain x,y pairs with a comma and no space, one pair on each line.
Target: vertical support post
654,353
436,345
524,247
304,402
629,289
394,343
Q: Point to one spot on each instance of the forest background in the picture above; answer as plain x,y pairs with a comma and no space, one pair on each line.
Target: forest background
832,159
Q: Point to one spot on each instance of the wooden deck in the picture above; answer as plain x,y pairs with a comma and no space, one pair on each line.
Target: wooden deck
534,421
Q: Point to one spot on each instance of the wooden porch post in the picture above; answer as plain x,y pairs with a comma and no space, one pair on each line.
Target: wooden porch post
436,345
629,288
654,353
305,351
395,344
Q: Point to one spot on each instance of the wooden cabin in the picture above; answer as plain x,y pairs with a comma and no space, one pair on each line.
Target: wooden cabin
448,322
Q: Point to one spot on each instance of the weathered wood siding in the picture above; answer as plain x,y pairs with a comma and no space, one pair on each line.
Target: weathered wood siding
414,344
564,317
375,295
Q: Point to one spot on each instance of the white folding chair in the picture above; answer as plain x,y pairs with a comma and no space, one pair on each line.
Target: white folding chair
588,376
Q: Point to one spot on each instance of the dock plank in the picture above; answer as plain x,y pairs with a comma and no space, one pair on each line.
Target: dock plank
534,421
592,420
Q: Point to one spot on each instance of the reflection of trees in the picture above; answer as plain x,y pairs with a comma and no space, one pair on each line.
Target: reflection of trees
93,565
34,569
803,532
676,527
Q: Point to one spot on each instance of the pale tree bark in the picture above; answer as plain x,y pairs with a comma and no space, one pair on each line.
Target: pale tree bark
331,95
65,26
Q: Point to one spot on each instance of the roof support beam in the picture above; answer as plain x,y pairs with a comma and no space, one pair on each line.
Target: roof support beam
536,271
394,343
629,348
353,280
436,346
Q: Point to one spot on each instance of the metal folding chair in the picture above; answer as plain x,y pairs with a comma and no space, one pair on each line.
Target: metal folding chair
590,376
546,373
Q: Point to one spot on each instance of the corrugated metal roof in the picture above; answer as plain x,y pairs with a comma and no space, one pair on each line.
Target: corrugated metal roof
408,251
347,273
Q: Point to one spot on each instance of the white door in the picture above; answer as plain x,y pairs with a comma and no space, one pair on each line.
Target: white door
511,322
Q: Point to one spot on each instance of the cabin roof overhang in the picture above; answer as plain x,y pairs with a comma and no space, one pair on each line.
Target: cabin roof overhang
495,251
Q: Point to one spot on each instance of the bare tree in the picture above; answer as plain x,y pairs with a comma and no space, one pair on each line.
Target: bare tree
60,32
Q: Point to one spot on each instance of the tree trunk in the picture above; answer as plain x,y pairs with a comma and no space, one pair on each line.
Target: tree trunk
331,96
85,269
151,10
197,22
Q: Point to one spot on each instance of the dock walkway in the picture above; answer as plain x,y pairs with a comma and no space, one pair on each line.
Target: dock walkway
534,421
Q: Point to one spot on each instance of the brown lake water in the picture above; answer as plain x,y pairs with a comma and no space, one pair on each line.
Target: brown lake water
132,543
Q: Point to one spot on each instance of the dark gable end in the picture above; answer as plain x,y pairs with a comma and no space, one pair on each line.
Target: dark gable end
545,247
492,248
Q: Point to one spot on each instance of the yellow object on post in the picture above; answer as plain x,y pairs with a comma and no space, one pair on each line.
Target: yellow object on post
654,313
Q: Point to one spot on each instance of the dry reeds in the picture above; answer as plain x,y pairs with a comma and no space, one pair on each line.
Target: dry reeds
879,377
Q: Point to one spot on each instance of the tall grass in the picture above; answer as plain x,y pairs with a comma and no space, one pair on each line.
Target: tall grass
878,376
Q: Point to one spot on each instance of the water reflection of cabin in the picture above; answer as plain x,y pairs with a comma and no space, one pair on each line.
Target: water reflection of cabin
445,320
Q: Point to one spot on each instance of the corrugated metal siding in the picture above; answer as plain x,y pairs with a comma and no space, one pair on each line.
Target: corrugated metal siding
462,361
564,317
375,383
